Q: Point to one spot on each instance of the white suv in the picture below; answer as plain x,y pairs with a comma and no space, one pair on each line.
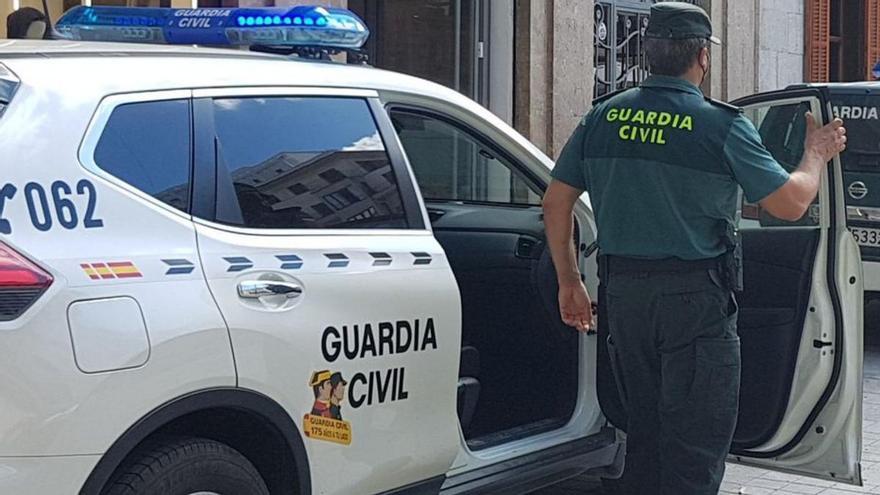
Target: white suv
237,273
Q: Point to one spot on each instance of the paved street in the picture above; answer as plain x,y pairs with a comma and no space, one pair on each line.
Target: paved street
750,481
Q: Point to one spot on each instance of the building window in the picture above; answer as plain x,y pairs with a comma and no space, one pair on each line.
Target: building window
841,40
298,189
341,199
619,56
437,40
332,175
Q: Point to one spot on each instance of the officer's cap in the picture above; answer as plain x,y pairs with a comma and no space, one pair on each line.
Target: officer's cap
679,21
320,377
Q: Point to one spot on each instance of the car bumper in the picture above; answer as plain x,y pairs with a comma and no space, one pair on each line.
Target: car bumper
59,475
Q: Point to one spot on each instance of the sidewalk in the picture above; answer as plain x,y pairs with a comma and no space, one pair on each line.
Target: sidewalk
750,481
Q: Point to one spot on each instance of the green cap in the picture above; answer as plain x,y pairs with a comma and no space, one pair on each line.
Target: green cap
679,21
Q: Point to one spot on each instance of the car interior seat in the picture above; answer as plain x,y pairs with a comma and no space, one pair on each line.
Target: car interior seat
468,386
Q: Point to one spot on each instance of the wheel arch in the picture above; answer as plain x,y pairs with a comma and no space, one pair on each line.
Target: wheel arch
200,413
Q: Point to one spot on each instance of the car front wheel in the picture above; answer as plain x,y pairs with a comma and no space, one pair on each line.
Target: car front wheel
187,466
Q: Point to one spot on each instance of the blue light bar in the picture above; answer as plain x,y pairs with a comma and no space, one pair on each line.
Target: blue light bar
296,26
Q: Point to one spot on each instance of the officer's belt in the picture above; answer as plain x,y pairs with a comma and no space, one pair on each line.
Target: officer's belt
620,264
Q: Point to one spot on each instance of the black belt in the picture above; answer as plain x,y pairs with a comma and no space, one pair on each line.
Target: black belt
620,264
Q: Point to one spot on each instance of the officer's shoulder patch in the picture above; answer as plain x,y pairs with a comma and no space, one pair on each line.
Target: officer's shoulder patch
724,105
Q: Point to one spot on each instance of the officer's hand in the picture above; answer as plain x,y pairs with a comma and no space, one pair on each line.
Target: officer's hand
827,141
575,306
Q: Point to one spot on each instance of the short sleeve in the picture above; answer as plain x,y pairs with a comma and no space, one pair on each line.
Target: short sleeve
754,168
570,165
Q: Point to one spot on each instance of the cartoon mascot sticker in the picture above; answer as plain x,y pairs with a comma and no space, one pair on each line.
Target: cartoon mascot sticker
325,421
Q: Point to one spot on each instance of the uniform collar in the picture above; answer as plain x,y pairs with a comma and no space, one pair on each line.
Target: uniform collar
668,82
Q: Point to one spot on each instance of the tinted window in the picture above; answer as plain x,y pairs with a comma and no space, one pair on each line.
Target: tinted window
450,164
783,130
304,163
861,115
8,85
147,145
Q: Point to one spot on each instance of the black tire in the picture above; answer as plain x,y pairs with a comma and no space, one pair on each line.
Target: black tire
184,466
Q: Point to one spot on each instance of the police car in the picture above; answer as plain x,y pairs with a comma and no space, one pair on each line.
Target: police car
240,273
858,104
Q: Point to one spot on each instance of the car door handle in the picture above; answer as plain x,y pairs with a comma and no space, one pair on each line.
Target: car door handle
255,289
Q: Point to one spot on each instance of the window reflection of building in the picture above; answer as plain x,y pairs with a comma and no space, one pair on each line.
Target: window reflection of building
177,197
322,189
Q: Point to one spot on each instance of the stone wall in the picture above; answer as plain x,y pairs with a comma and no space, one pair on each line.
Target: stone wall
781,43
740,49
553,70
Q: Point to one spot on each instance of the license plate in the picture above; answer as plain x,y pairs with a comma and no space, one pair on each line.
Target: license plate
866,237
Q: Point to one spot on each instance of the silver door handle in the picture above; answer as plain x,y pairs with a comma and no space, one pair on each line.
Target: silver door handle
255,289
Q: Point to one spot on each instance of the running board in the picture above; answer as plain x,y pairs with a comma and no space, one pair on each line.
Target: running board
531,472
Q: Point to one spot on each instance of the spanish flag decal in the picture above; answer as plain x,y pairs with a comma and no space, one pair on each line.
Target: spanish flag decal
104,271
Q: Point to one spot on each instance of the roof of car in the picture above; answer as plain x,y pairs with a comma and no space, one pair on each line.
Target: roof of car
89,71
874,85
119,67
48,48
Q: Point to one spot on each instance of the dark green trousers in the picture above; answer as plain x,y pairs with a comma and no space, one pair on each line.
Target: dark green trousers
676,358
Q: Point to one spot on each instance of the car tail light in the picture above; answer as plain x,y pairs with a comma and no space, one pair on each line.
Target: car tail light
21,283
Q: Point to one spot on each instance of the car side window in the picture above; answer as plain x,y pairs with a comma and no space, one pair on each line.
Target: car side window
148,145
452,164
303,163
783,128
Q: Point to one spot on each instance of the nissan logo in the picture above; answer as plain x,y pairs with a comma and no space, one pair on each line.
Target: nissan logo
858,190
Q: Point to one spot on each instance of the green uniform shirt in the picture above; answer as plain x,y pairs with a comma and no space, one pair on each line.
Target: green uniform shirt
663,165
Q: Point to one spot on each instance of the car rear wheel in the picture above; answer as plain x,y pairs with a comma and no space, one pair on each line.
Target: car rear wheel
187,466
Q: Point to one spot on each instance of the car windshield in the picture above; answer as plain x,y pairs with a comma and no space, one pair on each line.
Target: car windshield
861,116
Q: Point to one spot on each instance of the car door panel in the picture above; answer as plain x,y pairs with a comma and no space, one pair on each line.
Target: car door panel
340,307
398,400
778,278
800,321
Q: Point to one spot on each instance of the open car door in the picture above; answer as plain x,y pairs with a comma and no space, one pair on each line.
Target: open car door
800,318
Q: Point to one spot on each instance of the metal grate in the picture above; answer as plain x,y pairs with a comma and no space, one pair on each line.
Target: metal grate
619,56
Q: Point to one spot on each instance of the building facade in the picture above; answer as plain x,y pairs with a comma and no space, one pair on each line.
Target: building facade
539,63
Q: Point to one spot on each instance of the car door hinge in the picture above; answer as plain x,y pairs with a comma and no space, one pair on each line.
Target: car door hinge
481,50
818,344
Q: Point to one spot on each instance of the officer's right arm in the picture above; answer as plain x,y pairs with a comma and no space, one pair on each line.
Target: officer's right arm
791,201
764,181
569,182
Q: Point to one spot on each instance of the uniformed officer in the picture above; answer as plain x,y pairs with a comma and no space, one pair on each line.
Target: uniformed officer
662,165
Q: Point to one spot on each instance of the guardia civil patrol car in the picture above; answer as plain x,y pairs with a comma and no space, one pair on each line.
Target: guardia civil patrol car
228,272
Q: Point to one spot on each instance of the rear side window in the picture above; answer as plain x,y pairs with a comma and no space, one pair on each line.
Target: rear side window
861,115
303,163
8,85
148,145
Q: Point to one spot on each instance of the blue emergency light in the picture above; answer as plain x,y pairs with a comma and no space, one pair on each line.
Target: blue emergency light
301,26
